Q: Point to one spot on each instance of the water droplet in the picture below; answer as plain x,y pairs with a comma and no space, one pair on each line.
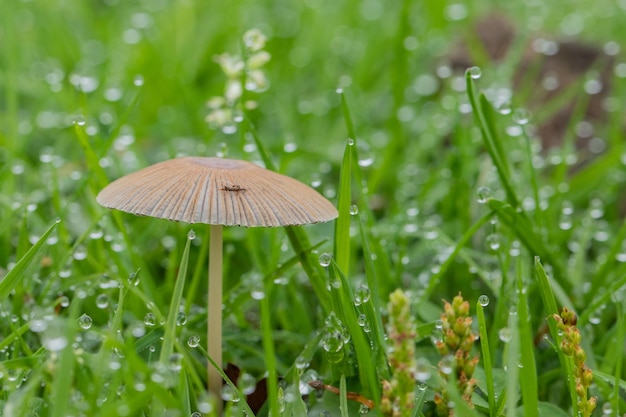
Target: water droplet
38,325
521,116
85,322
422,386
325,259
138,80
474,72
505,108
196,414
301,363
80,121
505,334
332,342
354,209
54,343
493,241
362,295
229,394
181,319
363,409
64,301
607,409
133,279
350,142
438,324
446,365
483,300
102,301
57,220
361,320
193,341
484,194
247,384
191,235
422,370
150,320
175,362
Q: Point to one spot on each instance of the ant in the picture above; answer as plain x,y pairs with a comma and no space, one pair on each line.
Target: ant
234,188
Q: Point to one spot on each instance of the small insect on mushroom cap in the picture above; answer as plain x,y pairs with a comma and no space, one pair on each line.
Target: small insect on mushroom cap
217,191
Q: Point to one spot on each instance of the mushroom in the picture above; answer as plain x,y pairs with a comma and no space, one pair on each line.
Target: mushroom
218,192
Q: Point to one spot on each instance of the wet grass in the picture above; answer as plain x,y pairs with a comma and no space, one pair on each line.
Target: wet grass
442,183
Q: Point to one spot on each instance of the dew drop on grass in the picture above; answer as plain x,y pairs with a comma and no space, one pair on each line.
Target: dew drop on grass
191,235
474,72
175,362
362,295
102,301
38,325
438,324
484,194
350,142
361,320
301,363
521,116
193,341
79,121
181,319
247,384
64,301
149,320
57,220
483,300
422,386
229,394
332,341
138,80
493,241
446,365
54,343
85,322
325,259
354,210
422,370
196,414
504,334
505,108
607,409
133,279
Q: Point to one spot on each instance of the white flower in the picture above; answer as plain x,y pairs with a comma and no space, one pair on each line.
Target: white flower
231,65
254,39
256,81
258,59
233,90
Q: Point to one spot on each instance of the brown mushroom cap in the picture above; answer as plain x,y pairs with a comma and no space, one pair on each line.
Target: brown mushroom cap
217,191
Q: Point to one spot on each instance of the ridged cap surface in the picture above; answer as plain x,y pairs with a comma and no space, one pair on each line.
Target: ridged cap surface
217,191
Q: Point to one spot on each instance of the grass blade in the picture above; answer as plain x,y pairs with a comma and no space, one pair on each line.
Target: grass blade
342,224
484,117
549,303
169,338
347,312
486,356
528,370
14,275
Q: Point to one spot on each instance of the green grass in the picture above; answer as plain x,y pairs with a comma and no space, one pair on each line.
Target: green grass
439,191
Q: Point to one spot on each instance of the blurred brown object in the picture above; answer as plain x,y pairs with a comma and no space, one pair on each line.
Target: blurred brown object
547,68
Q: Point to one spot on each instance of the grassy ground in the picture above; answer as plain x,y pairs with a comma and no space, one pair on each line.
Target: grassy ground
444,188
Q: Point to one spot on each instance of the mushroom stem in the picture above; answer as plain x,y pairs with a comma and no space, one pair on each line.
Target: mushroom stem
214,311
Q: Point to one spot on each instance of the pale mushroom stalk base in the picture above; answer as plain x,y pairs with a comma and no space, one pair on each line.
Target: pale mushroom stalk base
214,313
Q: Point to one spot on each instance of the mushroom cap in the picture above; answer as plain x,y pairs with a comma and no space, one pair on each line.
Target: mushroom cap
217,191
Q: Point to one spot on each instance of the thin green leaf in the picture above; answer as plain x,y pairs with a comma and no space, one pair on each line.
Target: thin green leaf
528,370
14,275
342,224
486,357
169,338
